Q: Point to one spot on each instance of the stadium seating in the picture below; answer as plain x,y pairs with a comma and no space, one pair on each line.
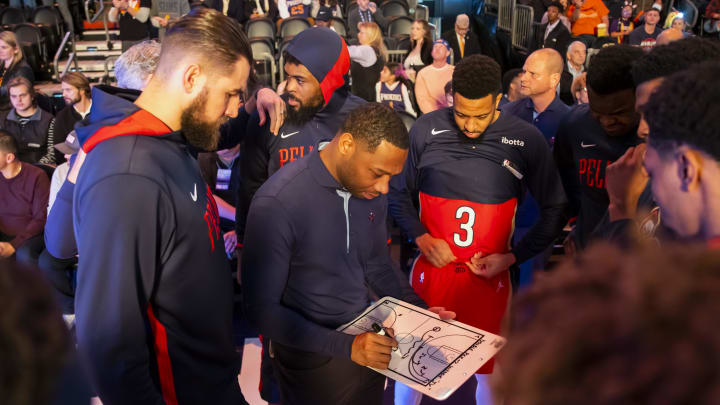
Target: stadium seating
11,16
260,28
292,26
35,48
400,26
51,23
339,26
394,8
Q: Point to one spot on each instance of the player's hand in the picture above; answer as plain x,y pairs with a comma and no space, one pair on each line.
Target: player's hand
437,251
230,242
492,265
373,350
269,105
6,250
442,313
625,180
75,169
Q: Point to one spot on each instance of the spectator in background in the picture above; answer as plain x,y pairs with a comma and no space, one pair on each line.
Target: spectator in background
712,15
562,16
24,192
646,35
132,17
419,48
555,34
392,89
430,83
322,19
293,8
462,41
12,64
31,126
135,67
76,93
595,134
327,7
670,35
511,86
585,15
367,60
449,99
262,9
579,89
234,9
574,67
366,11
167,11
658,313
621,27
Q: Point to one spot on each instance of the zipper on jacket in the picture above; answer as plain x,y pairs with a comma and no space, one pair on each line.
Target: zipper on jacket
345,195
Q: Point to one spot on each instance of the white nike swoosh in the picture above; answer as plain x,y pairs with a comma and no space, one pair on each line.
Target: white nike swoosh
283,136
193,195
590,145
435,132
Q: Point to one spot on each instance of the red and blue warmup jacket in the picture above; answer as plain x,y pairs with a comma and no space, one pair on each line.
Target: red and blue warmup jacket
154,298
582,152
469,189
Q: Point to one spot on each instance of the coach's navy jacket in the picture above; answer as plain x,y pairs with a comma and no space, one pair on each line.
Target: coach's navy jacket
154,298
312,251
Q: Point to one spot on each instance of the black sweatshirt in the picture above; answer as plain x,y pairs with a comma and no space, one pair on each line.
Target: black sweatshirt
582,152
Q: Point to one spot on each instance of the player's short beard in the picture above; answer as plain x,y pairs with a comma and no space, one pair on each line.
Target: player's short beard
199,133
304,113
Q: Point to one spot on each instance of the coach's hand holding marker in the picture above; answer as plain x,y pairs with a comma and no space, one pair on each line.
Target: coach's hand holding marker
373,349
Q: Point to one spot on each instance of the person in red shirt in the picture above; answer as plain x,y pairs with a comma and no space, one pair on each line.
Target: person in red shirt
24,191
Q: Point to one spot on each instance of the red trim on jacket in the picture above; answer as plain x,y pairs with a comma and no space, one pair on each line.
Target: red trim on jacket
162,355
140,122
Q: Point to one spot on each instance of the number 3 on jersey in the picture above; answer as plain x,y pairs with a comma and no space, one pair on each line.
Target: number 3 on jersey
464,238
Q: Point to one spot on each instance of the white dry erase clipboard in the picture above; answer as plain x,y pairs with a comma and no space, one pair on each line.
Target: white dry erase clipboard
434,357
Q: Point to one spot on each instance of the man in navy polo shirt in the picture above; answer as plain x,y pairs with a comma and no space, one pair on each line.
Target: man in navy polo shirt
543,108
316,243
538,83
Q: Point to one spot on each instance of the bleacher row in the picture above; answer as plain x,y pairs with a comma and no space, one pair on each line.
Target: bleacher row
39,36
268,45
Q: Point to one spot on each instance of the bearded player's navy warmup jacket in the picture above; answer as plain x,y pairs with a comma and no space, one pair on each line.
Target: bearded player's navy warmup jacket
154,299
263,153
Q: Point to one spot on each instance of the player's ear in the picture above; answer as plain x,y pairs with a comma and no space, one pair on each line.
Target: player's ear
689,163
346,144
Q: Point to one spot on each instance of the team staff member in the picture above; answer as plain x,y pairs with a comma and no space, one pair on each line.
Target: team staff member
316,243
317,101
153,303
470,165
596,134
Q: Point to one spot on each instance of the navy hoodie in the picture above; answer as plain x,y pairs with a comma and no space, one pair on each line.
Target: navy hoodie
154,297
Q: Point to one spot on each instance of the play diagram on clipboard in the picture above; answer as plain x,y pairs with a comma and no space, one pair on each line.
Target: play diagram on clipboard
433,356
